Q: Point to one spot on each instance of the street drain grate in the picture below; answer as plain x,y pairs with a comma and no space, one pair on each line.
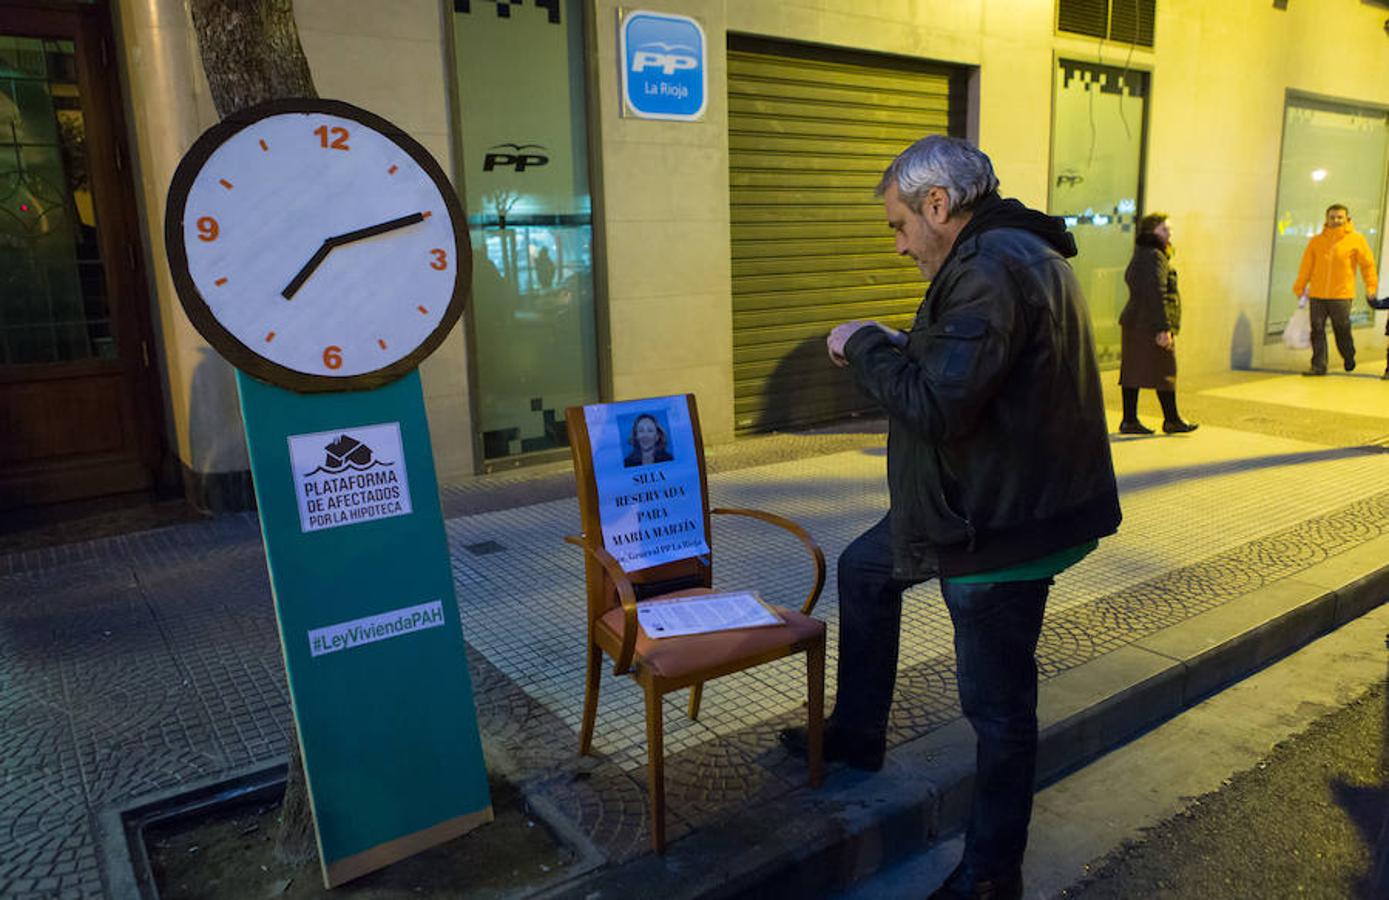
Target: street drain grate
484,548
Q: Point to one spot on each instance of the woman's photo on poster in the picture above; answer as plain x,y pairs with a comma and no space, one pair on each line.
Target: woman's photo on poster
647,439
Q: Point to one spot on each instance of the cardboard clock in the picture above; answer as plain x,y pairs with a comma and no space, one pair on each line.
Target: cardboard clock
323,252
316,246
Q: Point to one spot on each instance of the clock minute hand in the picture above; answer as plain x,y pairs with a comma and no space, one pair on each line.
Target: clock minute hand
338,240
373,230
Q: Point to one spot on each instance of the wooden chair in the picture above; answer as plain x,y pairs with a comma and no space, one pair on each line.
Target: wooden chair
672,663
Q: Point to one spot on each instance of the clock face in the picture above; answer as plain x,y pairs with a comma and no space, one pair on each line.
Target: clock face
316,246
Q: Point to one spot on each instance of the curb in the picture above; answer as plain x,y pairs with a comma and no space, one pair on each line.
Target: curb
812,843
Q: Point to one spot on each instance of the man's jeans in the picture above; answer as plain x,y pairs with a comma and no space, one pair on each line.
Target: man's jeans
996,630
1338,311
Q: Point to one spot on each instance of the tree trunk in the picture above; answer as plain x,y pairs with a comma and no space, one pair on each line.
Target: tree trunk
296,843
251,53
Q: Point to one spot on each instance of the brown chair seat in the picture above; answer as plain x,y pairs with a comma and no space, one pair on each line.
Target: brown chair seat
676,657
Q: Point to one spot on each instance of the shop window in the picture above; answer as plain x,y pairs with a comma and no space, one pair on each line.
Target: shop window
1332,153
1098,138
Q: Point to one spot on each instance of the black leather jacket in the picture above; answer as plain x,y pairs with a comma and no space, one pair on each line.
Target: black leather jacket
998,451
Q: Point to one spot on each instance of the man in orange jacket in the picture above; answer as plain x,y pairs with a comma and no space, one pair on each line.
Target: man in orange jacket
1327,275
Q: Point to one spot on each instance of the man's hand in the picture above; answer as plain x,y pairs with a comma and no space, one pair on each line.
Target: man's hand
1164,340
839,336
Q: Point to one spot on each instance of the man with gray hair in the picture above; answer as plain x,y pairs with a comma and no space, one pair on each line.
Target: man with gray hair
999,476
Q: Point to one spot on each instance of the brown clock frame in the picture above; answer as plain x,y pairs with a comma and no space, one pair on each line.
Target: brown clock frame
232,348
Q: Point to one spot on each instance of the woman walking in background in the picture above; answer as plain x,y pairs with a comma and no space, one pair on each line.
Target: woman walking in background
1148,354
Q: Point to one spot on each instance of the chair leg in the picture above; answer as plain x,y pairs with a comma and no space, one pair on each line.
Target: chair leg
696,694
656,768
815,730
591,685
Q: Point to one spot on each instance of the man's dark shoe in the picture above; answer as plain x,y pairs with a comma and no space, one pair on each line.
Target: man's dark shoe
1314,372
1133,426
1350,364
1385,376
856,750
1179,427
963,884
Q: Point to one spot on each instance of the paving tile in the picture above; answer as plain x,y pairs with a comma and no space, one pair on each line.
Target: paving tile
707,781
41,777
54,620
610,807
32,862
128,762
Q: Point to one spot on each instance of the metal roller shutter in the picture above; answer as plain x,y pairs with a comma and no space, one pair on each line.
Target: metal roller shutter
810,132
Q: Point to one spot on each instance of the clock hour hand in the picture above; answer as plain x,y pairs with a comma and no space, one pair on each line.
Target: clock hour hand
337,241
303,274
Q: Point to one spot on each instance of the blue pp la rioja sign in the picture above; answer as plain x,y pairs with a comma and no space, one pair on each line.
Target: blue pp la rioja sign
664,66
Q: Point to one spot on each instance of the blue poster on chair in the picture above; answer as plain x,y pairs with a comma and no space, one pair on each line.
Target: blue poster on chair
650,497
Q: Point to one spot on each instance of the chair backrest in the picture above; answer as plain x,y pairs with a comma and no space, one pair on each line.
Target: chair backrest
695,570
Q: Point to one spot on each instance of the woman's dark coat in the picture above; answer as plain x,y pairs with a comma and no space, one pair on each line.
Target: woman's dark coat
1154,305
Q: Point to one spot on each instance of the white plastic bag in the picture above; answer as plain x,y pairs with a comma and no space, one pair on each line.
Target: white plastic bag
1297,334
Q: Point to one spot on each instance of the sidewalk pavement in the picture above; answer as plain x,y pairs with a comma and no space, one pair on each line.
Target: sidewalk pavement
133,664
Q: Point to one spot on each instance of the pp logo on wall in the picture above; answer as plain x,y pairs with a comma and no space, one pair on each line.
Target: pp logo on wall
664,71
350,476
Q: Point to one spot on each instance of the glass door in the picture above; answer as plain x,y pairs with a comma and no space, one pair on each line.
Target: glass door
520,73
1097,144
55,307
78,403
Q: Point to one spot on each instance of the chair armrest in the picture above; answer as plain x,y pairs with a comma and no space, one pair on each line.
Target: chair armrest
816,554
625,594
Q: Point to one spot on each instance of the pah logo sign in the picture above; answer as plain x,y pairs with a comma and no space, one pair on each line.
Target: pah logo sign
349,477
664,71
